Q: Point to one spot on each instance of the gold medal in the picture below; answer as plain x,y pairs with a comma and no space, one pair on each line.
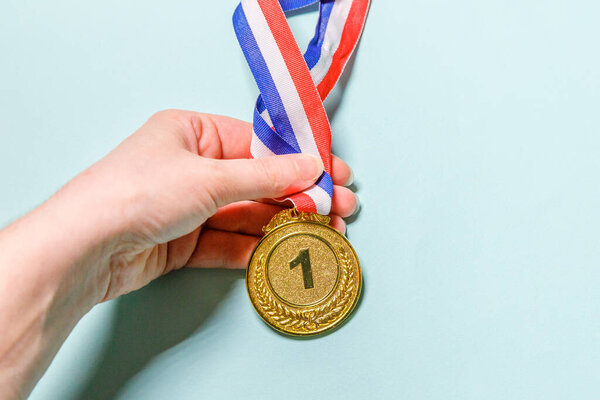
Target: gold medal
304,276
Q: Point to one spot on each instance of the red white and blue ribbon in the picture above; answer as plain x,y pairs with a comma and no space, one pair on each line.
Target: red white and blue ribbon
289,116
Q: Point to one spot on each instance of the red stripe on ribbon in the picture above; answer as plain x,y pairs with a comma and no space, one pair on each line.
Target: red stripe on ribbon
304,202
350,35
309,95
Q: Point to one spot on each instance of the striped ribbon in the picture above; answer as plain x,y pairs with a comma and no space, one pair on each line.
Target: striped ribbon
289,116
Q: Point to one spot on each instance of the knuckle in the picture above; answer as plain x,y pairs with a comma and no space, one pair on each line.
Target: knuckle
175,122
216,193
164,115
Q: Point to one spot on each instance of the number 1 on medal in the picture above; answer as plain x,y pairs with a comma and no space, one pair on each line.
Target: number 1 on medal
304,259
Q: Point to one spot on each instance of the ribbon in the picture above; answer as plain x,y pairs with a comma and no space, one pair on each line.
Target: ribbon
289,116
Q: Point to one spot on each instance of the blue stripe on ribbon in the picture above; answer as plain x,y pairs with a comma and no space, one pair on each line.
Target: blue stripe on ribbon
266,135
260,104
326,183
313,53
263,78
289,5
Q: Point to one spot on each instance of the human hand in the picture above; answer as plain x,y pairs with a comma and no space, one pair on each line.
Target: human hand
180,191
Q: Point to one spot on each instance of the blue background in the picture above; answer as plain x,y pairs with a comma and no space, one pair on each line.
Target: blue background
473,130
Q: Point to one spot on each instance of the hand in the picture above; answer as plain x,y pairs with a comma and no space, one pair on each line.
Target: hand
179,192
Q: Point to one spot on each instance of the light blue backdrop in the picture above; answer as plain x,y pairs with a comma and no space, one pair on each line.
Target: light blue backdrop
473,128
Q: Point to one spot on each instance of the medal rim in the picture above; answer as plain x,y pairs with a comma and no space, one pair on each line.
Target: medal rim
326,328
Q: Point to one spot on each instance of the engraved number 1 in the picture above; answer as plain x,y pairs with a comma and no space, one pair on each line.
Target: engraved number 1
304,259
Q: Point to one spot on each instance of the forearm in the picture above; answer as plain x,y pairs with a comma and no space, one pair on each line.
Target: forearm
51,274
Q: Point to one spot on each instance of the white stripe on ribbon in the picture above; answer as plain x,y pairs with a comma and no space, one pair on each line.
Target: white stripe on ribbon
321,199
265,115
281,77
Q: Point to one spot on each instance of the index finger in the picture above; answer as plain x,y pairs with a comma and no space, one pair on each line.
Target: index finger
229,138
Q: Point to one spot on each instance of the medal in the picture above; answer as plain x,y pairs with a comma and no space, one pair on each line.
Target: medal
304,277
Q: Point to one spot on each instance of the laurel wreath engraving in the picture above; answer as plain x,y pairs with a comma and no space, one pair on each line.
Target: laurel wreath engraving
306,319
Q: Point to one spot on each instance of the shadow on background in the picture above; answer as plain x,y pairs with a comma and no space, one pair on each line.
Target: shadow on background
332,104
154,319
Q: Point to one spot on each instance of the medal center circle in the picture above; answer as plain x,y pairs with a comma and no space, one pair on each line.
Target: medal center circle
302,269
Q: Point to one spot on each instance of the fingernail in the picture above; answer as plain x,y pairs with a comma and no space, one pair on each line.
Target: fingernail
357,206
309,167
350,179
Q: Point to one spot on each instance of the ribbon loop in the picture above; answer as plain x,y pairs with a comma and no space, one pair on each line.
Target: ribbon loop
289,116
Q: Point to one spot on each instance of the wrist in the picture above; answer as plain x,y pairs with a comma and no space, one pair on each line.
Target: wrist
53,269
83,244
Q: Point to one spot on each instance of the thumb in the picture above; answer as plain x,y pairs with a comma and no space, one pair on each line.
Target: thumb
269,177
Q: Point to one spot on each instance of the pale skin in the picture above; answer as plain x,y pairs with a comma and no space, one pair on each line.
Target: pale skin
181,191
